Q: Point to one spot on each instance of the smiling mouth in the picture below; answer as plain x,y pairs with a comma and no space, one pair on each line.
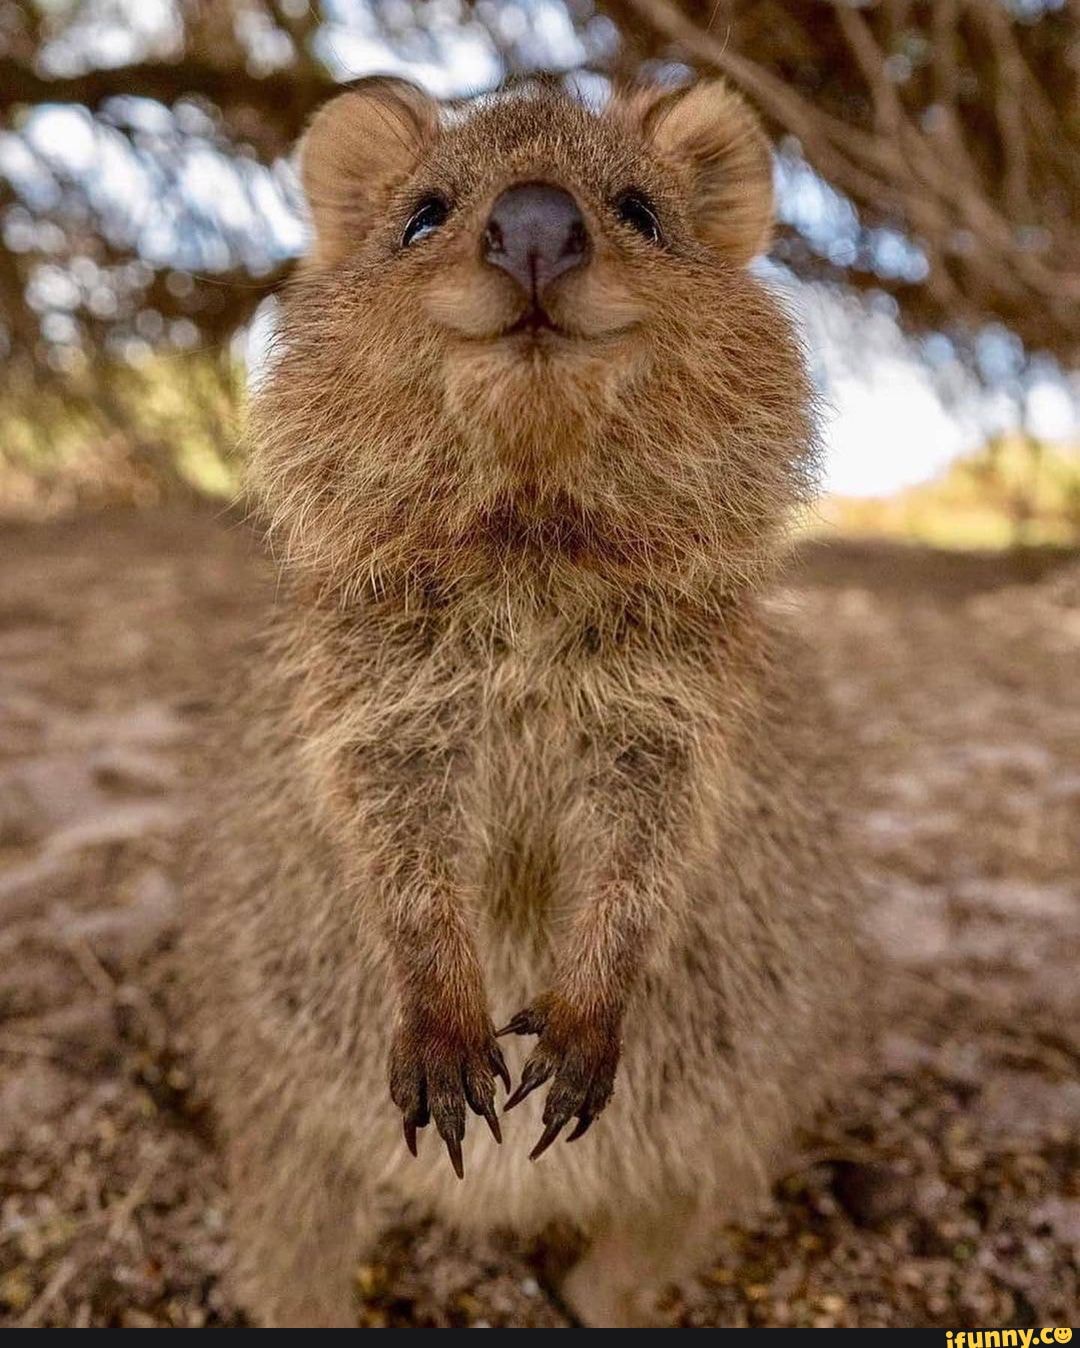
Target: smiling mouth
532,322
535,328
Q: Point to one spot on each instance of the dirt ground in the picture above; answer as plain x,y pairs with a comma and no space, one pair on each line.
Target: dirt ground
945,1190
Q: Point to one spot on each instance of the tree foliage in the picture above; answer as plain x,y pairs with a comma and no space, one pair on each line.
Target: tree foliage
947,133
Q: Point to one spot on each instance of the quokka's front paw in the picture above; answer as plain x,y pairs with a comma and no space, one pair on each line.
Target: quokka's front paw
580,1049
436,1069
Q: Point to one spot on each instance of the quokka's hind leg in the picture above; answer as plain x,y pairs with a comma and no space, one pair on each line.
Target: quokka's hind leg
301,1221
630,1261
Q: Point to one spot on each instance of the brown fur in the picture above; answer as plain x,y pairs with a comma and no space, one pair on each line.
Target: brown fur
528,742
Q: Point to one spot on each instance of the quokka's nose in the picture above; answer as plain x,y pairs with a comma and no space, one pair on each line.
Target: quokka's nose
535,233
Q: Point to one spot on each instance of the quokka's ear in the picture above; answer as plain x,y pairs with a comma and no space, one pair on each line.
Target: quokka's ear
717,145
357,146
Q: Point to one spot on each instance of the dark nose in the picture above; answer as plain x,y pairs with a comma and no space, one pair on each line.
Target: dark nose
535,233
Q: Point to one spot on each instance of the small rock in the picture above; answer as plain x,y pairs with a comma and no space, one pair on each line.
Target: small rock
871,1192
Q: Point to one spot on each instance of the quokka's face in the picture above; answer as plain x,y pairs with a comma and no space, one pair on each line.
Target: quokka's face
532,247
519,313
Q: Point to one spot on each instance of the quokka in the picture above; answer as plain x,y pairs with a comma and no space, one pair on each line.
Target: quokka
527,763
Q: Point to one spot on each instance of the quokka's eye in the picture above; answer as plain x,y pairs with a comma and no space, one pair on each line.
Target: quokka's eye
636,210
425,220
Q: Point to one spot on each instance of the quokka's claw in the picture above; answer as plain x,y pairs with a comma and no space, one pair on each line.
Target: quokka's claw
535,1074
493,1123
517,1097
499,1067
519,1024
547,1137
529,1020
410,1134
453,1147
582,1126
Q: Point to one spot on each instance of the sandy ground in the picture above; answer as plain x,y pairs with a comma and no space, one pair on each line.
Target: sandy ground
944,1191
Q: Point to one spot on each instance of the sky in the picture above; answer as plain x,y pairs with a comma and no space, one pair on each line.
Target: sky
892,416
895,414
887,427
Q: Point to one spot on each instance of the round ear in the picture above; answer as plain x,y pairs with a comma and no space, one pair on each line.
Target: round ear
357,147
716,144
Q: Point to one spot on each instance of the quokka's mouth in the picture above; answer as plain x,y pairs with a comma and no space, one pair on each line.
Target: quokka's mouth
533,321
535,329
539,328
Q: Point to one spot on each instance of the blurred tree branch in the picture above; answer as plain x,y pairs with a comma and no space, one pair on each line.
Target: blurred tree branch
953,121
282,101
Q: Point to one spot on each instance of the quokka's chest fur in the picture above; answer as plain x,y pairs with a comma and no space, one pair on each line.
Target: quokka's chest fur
525,738
505,708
